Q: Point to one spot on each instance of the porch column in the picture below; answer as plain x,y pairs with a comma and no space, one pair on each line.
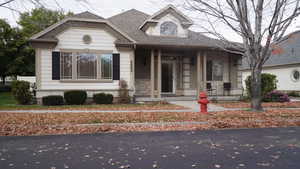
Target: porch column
159,74
204,70
199,73
152,74
132,69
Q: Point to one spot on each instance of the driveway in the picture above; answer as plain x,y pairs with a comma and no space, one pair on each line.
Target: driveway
277,148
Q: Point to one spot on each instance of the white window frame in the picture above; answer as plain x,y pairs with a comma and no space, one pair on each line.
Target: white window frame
74,66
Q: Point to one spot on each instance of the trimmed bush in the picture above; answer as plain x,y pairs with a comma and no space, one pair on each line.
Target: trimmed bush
21,92
293,94
276,96
268,84
102,98
75,97
53,100
5,88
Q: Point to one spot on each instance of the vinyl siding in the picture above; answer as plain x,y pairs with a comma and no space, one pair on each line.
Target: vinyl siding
284,78
72,39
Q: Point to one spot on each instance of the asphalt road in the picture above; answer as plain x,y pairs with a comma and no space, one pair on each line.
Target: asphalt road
230,149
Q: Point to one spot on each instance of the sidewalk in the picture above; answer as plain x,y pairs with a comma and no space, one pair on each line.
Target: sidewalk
195,107
92,111
191,106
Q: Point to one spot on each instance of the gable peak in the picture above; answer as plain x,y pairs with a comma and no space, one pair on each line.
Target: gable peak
87,15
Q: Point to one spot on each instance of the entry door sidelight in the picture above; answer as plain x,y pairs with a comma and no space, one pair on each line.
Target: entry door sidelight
167,77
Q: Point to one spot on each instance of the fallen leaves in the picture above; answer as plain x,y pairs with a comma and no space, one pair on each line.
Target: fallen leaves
20,124
113,107
265,105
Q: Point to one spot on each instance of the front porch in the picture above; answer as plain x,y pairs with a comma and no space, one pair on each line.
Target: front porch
171,73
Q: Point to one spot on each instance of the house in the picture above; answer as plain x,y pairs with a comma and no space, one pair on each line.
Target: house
157,55
284,62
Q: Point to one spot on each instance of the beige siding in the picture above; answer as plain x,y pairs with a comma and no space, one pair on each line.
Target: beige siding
72,39
283,75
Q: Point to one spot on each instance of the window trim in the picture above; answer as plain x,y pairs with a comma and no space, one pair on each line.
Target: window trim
62,66
100,66
74,66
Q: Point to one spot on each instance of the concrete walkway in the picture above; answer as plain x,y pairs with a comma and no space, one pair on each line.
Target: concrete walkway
194,106
191,106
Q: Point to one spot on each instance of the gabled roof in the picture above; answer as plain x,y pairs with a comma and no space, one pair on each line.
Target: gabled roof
170,9
77,20
137,18
126,26
88,15
285,52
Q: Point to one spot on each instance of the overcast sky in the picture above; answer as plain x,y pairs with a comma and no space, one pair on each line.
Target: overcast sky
107,8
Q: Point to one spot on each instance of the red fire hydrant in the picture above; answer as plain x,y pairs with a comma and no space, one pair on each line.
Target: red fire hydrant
203,101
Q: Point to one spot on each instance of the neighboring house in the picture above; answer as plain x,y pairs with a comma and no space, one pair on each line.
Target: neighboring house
30,79
284,63
157,55
8,80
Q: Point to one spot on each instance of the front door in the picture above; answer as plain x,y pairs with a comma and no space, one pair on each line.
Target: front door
167,77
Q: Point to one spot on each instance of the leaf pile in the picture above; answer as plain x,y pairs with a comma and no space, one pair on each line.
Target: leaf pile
78,123
265,105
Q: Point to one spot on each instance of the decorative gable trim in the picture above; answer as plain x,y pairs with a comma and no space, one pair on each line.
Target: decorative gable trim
185,20
65,21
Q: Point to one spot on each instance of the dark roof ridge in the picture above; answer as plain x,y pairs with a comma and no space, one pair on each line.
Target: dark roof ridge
127,12
286,37
88,15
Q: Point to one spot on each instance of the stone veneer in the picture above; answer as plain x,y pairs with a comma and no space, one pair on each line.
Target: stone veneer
143,86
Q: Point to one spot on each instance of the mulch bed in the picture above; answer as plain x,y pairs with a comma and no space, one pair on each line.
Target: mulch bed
266,105
21,124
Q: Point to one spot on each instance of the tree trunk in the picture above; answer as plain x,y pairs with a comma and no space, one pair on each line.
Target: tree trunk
3,80
256,93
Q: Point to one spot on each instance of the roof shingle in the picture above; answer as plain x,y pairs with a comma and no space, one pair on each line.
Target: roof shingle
130,21
88,15
287,52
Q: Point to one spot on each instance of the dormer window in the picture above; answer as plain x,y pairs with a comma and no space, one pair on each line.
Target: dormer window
168,29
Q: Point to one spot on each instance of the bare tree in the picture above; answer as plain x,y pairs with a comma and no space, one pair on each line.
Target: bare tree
18,5
260,23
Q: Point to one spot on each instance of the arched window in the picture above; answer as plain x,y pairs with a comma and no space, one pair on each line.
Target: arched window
168,28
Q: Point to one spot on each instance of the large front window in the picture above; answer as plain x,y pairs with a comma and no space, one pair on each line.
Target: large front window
86,66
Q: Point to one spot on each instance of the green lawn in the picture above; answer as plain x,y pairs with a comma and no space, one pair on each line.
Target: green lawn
7,102
6,99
